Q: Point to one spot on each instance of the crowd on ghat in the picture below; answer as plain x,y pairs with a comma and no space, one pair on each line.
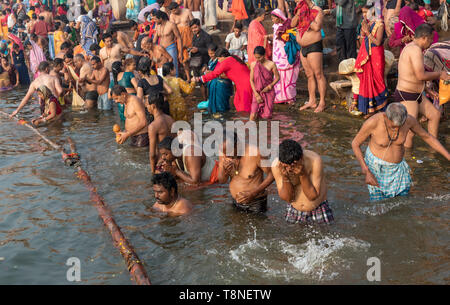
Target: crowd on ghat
78,56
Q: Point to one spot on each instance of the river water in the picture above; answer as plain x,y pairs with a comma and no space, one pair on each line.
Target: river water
46,216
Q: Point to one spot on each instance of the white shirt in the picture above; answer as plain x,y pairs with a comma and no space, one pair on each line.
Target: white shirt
236,43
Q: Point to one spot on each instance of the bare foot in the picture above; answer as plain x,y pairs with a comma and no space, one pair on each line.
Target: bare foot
320,108
308,105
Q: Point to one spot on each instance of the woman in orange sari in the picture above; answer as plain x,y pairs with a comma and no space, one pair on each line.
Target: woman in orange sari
257,36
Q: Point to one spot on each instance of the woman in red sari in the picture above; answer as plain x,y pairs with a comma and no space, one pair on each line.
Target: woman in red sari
237,71
369,67
257,35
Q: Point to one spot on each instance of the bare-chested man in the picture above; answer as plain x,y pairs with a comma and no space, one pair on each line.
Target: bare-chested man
65,47
100,78
121,38
387,173
158,54
411,81
48,15
44,79
301,182
167,198
169,37
308,19
86,89
159,128
135,120
196,7
112,52
246,174
181,17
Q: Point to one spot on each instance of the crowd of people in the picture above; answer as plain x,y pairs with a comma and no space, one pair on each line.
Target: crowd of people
89,62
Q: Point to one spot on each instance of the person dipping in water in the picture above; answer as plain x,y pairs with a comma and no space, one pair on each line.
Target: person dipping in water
50,108
167,198
246,174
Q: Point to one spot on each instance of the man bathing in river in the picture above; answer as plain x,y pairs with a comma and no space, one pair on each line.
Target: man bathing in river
387,173
192,166
112,52
246,174
309,19
166,194
411,81
44,79
159,128
135,120
301,182
100,78
88,90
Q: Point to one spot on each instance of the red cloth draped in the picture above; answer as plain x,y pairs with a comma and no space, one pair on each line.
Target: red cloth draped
256,33
262,78
306,16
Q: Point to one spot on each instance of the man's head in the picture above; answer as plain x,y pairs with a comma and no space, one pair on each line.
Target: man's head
96,62
290,154
396,114
160,17
195,26
174,8
78,60
165,188
65,46
165,149
95,49
423,36
108,40
58,64
154,103
68,58
44,67
119,94
237,29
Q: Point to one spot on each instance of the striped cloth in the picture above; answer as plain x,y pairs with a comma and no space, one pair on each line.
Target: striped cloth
322,214
393,178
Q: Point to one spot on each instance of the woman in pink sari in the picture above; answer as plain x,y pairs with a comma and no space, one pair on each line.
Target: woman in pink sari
36,56
257,35
237,71
286,88
263,77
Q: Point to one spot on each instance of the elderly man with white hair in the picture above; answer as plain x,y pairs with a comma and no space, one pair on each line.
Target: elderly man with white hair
386,171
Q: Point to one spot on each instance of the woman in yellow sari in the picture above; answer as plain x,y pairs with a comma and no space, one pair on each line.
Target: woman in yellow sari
176,100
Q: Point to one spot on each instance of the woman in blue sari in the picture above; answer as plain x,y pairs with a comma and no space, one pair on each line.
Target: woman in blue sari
220,89
89,32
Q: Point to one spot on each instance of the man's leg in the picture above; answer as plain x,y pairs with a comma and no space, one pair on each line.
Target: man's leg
413,110
350,40
315,61
340,44
432,114
311,84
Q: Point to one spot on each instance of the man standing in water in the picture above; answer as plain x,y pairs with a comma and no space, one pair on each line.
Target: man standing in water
169,37
166,194
157,53
88,89
246,174
301,182
100,78
411,81
112,52
308,19
387,173
44,79
135,120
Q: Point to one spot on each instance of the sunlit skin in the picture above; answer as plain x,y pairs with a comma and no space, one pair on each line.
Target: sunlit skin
170,202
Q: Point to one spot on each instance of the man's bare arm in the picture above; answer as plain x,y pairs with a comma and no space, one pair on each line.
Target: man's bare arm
428,138
284,185
152,135
25,99
360,138
311,185
416,59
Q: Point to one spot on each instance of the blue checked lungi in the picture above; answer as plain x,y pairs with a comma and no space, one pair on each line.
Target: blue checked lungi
172,50
393,178
321,214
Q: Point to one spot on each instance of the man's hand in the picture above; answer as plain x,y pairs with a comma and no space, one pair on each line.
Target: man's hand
245,197
229,166
171,168
122,137
194,50
370,179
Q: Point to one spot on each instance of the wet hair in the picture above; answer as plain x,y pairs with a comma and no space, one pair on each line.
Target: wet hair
96,59
79,57
161,15
397,113
222,52
167,67
156,99
116,68
290,151
144,65
238,25
260,51
107,35
194,21
94,48
173,6
423,30
69,55
212,47
43,66
118,90
65,45
260,12
58,62
166,143
166,180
